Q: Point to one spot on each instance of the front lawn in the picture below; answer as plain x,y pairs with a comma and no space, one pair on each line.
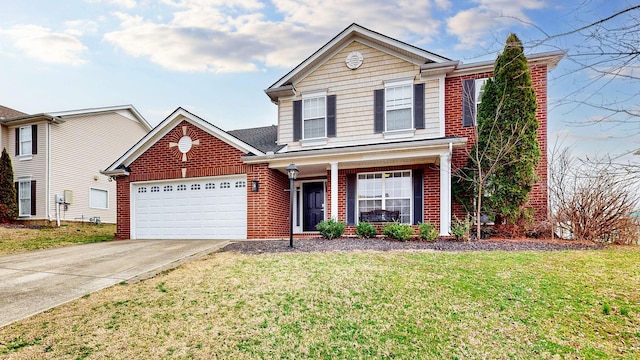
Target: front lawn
14,239
359,305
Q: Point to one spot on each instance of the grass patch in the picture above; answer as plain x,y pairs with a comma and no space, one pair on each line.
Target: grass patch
364,305
15,240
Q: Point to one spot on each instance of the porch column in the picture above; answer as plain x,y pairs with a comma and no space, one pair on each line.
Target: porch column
445,194
334,191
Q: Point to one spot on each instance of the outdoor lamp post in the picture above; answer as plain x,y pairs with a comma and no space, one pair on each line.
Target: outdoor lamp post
292,172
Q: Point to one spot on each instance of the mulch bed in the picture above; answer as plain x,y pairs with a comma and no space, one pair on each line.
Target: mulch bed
379,244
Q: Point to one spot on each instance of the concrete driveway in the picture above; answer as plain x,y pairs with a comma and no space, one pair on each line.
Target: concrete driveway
37,281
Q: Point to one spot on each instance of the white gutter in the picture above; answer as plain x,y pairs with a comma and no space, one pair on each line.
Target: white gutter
358,150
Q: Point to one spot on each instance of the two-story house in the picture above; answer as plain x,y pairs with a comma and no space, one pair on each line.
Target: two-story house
57,158
372,123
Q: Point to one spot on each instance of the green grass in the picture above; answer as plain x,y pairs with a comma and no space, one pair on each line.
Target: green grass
15,240
362,305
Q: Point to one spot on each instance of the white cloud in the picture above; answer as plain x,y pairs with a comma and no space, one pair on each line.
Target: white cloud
45,45
80,27
127,4
472,25
184,48
235,36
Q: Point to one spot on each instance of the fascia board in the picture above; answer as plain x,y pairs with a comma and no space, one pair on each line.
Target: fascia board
117,109
550,58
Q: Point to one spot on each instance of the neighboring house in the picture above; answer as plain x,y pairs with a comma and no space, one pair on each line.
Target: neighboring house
371,122
61,154
7,113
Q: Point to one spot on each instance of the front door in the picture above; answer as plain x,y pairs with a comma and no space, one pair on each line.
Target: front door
312,205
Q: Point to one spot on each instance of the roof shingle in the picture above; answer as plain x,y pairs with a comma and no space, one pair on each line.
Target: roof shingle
262,138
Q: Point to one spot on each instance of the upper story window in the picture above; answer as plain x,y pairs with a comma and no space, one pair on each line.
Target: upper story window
398,107
472,90
314,118
26,141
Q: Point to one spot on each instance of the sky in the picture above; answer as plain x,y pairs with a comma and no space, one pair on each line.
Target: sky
215,57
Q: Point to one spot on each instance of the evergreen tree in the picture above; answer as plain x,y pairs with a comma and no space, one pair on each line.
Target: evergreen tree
500,170
8,200
507,120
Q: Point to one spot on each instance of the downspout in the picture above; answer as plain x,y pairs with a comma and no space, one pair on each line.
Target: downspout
48,184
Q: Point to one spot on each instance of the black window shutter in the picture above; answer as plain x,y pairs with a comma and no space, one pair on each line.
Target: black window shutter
331,116
418,192
33,197
378,111
34,139
468,102
17,193
297,120
17,141
351,199
418,106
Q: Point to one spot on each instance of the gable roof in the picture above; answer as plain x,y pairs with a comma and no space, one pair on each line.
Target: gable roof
118,168
128,111
352,33
263,138
8,113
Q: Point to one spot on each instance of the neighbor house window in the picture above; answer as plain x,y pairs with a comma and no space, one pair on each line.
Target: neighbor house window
99,199
314,119
399,106
387,191
25,140
24,197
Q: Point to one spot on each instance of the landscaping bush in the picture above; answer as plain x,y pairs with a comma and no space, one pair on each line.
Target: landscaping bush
460,229
366,230
400,232
428,232
331,229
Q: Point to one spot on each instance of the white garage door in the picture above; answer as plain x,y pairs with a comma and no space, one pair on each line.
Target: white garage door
199,208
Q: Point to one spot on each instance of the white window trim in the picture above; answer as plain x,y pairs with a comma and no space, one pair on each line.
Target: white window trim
400,133
315,140
22,180
91,199
477,98
384,198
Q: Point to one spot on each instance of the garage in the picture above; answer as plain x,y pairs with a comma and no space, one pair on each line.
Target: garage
197,208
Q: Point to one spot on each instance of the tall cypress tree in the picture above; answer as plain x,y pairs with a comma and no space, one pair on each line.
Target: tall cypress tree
507,133
8,200
500,170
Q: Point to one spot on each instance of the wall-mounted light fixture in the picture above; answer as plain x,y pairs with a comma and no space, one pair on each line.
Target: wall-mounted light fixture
255,185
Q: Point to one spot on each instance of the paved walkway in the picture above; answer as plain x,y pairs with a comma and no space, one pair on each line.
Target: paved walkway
37,281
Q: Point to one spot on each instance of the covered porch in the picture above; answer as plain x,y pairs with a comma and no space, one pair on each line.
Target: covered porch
412,178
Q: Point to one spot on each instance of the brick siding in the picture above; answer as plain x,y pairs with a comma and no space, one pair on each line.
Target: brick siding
267,209
538,197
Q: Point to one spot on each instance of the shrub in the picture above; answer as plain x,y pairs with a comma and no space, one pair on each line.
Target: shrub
460,229
428,231
331,229
400,232
366,230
